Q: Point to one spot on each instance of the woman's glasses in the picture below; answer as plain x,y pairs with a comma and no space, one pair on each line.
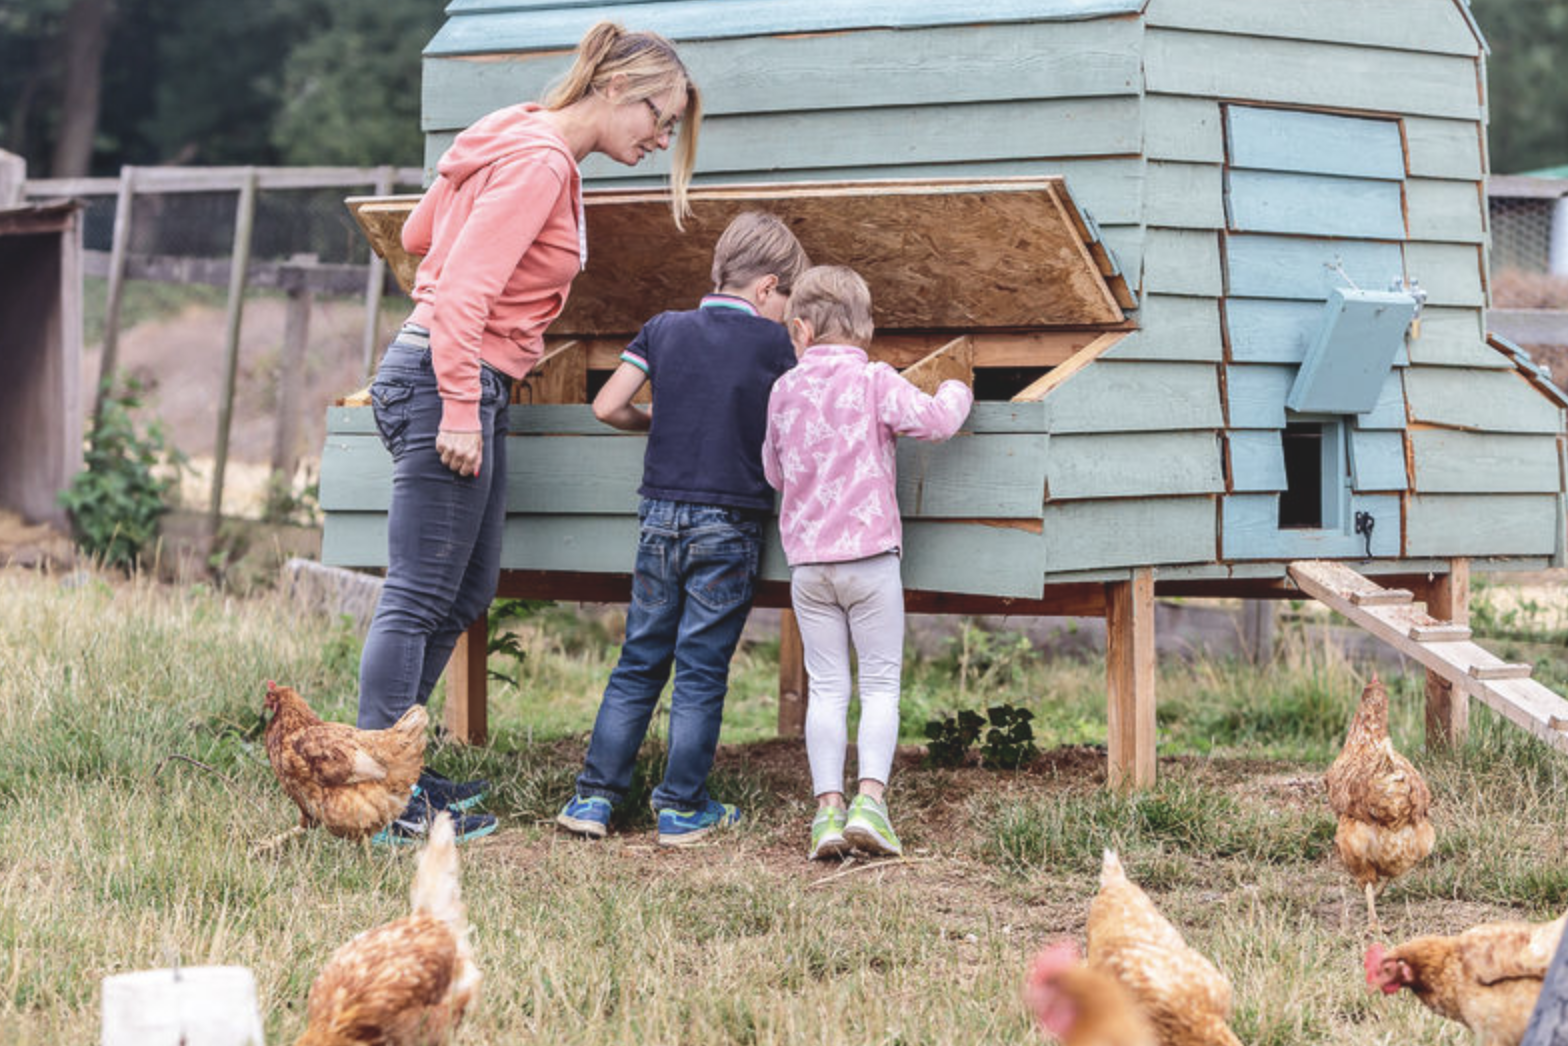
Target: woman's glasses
661,125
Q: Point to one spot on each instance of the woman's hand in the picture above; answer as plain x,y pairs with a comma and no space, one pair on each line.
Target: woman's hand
461,451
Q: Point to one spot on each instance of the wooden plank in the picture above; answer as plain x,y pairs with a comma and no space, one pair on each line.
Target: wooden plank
1377,461
1439,632
954,361
120,245
1174,328
1313,205
1265,330
1504,671
942,66
1184,196
1449,211
1130,681
467,686
1182,261
973,558
482,27
1530,326
1481,525
1129,532
1125,242
794,685
1136,397
560,376
1259,266
239,261
1300,74
177,179
1389,411
1080,360
1250,530
1450,273
381,219
1453,337
1444,148
1302,142
1138,464
1450,462
1383,597
1255,395
1257,460
1430,25
1185,129
1350,357
1486,401
991,476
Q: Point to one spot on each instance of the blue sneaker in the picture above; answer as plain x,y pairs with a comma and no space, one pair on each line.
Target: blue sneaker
413,824
586,815
685,827
447,794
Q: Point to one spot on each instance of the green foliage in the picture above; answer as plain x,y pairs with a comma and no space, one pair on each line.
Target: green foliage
951,738
1527,82
116,501
501,641
1009,738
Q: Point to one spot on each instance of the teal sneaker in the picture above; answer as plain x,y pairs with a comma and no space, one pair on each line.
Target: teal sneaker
869,829
685,827
827,834
586,815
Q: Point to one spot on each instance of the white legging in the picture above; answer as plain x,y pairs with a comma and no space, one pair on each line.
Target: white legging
863,601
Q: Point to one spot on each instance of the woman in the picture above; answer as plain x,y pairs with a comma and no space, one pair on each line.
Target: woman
502,235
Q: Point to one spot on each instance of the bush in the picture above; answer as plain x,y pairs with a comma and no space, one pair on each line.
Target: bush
116,501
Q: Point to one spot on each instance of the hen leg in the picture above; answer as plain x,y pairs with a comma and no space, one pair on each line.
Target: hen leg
1374,928
266,846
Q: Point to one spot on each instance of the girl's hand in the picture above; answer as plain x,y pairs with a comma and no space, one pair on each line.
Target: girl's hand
461,451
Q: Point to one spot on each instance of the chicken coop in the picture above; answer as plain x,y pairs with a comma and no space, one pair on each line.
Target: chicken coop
1216,270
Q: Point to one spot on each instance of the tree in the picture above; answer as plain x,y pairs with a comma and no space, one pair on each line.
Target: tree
1527,83
85,34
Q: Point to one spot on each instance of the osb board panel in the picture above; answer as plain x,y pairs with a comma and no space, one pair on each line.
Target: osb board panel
937,255
382,218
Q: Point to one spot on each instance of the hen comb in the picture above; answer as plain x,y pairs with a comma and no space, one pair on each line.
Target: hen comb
1374,964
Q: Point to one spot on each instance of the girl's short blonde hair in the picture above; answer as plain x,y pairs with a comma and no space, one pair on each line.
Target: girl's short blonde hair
651,67
836,302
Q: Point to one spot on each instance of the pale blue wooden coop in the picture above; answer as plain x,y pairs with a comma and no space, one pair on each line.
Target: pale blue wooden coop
1238,319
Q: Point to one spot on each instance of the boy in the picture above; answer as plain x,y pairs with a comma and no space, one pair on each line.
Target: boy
704,502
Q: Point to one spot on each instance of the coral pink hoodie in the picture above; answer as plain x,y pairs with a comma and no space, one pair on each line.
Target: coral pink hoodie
500,230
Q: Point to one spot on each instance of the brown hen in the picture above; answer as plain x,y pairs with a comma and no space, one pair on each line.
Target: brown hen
1486,978
1381,802
1079,1006
1180,992
351,782
407,983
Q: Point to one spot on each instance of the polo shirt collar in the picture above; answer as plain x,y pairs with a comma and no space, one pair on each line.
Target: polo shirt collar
728,301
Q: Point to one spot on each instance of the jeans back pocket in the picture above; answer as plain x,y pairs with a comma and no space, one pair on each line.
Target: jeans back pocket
391,403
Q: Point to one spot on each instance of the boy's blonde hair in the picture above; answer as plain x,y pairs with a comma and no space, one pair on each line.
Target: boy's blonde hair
757,244
651,67
836,302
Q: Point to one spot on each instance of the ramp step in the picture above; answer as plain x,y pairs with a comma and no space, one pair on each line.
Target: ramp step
1502,671
1383,597
1440,632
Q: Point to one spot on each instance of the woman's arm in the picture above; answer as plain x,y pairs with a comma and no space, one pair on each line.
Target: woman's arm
613,405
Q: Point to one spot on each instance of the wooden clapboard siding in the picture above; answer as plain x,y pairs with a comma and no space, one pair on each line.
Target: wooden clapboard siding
1255,398
1189,130
1257,460
1117,396
1313,205
1182,261
1091,535
1451,273
486,26
1263,330
1481,525
1377,460
1125,243
981,476
974,558
1267,139
1297,73
1444,148
1449,462
1453,337
1134,464
1299,268
1389,412
1450,211
1429,25
1183,196
1481,400
1174,328
853,70
1250,530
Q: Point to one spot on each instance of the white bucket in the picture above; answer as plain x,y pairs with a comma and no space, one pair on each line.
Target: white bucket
190,1006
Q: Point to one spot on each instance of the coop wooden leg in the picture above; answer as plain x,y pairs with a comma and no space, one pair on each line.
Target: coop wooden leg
1129,670
467,695
1447,706
793,684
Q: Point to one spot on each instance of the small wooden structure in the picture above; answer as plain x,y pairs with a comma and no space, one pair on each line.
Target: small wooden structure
1219,268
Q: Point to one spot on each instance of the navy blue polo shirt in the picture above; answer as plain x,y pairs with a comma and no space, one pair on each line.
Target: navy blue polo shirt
712,369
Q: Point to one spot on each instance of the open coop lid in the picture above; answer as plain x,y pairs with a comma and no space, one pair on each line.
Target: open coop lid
955,255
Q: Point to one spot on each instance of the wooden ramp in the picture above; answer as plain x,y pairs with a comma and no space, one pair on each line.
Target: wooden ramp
1392,615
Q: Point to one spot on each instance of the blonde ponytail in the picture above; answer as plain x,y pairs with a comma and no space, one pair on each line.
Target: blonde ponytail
651,67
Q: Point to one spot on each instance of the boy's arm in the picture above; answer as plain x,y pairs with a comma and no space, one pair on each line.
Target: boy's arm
909,412
613,405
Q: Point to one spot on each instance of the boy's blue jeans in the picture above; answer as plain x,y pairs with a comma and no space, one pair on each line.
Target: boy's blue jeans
692,588
443,533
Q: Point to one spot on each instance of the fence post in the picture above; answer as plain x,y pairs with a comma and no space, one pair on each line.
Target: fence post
13,180
244,223
118,251
291,381
385,183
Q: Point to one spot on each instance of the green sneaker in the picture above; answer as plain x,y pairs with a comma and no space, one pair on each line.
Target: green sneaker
827,834
868,828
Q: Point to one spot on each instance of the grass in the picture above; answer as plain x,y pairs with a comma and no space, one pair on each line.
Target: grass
114,858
